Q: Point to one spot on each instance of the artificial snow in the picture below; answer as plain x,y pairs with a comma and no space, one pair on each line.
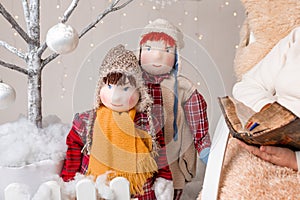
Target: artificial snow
22,143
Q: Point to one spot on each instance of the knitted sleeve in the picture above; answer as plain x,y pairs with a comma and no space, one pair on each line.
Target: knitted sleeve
257,87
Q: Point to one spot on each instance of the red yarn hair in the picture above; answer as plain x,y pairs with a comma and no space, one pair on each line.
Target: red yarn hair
156,36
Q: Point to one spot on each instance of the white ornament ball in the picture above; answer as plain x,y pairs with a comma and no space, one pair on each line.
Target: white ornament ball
62,38
7,95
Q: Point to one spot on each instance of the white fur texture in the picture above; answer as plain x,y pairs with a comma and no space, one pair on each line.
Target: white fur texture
163,189
245,176
103,189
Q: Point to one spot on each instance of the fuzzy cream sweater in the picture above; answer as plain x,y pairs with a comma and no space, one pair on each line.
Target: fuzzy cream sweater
274,78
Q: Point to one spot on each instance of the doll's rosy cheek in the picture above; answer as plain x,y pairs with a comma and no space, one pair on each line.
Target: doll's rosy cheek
103,96
145,58
170,60
134,99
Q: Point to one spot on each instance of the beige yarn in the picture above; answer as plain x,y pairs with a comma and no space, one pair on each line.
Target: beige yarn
269,21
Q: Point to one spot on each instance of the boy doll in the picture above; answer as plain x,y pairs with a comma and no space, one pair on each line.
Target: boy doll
106,139
179,110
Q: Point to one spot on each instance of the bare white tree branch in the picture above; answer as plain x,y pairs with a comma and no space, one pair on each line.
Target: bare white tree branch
108,10
13,50
33,57
69,11
34,29
26,13
111,8
49,59
13,67
15,25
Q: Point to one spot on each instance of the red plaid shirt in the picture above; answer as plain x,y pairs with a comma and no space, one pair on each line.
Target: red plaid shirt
195,112
75,160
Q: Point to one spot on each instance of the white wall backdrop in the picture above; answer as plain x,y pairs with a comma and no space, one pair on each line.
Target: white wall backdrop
211,29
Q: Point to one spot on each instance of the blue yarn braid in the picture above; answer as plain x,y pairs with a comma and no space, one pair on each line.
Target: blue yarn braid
175,108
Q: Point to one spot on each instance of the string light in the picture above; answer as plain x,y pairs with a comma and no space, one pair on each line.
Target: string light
62,81
163,3
58,4
92,9
90,62
200,36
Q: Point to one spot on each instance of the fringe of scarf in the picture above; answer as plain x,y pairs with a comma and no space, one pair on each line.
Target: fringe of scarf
119,147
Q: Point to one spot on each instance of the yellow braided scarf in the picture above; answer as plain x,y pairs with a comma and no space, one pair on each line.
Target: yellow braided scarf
121,148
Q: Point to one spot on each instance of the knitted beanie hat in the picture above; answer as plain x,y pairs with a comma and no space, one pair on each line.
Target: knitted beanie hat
121,60
164,26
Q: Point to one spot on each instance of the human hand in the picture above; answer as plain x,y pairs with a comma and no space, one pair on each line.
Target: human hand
103,190
283,157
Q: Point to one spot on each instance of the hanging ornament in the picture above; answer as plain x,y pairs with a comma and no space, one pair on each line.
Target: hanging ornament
7,95
62,38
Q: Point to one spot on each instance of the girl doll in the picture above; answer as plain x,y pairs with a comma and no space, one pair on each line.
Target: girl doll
106,139
179,110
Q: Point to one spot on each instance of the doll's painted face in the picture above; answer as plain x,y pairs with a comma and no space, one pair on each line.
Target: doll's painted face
157,57
118,97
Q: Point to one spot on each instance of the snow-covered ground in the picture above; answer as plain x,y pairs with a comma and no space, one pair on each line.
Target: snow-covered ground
22,143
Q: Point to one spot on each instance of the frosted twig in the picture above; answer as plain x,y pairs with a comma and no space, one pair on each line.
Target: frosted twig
13,67
13,50
34,29
15,25
26,13
48,59
69,11
111,8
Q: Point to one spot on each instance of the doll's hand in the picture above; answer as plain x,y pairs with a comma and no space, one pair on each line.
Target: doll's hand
279,156
163,189
204,154
103,190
